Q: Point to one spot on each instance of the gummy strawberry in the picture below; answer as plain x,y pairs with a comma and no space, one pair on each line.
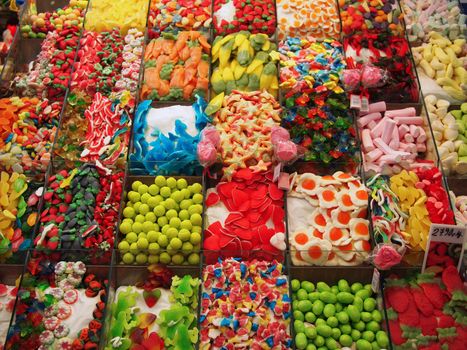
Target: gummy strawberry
432,290
451,279
398,298
151,297
410,316
445,321
422,302
428,325
153,342
396,332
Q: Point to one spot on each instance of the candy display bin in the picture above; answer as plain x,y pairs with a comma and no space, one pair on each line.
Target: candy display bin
10,278
61,299
351,279
151,291
149,241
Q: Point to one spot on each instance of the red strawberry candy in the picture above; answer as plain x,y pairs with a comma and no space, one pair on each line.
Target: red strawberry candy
410,316
422,302
396,333
451,279
398,298
428,325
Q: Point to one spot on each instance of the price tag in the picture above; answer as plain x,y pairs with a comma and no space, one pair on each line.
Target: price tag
355,102
375,281
365,105
277,172
451,234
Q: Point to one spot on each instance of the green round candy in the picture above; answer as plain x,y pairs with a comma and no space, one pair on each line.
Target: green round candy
345,340
193,259
332,321
302,294
324,330
363,344
365,316
153,190
319,340
363,293
331,344
295,285
311,347
128,258
301,341
298,315
131,237
342,317
295,304
299,326
322,287
165,258
310,317
329,310
313,296
308,286
382,339
354,313
320,321
359,326
373,326
376,316
355,287
368,335
336,333
375,346
355,335
305,305
318,307
346,329
338,306
310,332
358,302
135,185
369,304
181,184
343,286
160,181
334,289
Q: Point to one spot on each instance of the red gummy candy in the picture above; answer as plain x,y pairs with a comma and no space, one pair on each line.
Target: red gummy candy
451,279
410,317
434,293
398,298
422,302
396,332
428,325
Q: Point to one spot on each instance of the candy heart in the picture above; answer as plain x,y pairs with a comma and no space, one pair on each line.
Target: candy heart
151,297
278,241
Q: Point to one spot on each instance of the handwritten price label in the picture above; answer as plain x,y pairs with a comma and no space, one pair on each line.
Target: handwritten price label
447,233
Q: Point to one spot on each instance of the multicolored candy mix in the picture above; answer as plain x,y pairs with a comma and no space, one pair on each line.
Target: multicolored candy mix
59,305
245,217
104,15
162,223
426,312
299,18
327,220
231,16
154,316
27,131
175,16
165,139
245,305
244,123
37,25
244,62
80,210
176,67
373,15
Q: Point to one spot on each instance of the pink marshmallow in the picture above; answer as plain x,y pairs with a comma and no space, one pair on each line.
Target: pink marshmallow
389,127
409,138
409,120
372,156
421,147
371,125
364,120
414,131
377,107
395,138
406,112
422,136
390,158
377,131
403,129
383,146
408,147
367,141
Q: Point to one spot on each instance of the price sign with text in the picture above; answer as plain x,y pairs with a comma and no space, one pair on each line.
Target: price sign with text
451,234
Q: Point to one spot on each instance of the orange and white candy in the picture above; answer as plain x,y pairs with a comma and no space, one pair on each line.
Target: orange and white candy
318,219
359,229
327,197
337,236
316,251
309,184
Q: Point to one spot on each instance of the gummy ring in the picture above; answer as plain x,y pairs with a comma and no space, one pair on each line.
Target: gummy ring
79,267
74,279
46,337
64,311
71,296
66,285
57,293
50,323
60,268
69,267
64,343
51,310
61,331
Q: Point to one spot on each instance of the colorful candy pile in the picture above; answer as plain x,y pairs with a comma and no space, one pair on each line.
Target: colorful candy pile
176,67
392,140
155,315
80,210
104,15
245,305
165,139
162,222
59,305
443,17
374,15
245,62
297,18
327,220
175,16
244,123
450,135
27,132
339,316
253,15
245,217
386,67
427,312
37,25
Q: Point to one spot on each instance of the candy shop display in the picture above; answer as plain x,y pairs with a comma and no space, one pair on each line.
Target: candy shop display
59,305
317,114
162,222
319,19
245,216
244,122
244,62
159,311
36,24
383,67
374,15
165,139
80,209
176,67
104,15
441,67
450,134
460,208
176,16
392,140
231,16
245,305
443,17
427,312
340,316
7,301
327,222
